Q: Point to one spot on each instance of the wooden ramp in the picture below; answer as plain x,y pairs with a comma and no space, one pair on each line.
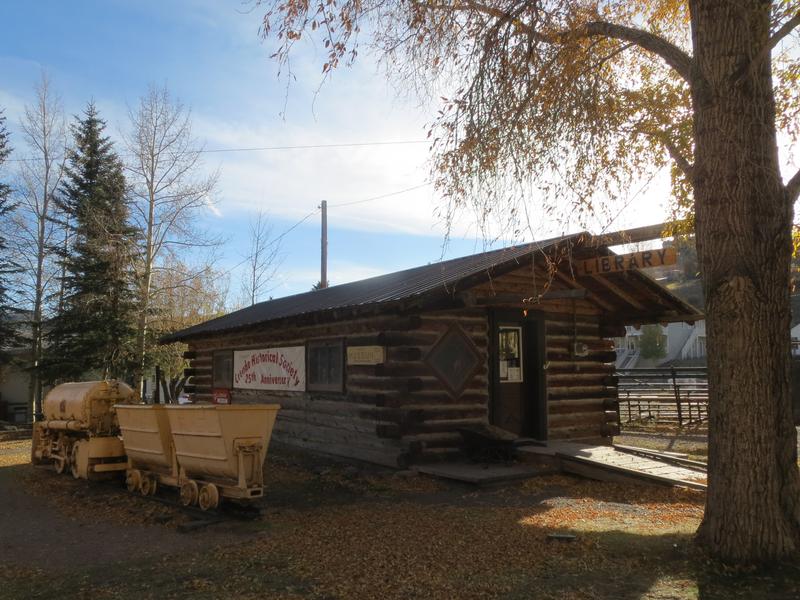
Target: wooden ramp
623,464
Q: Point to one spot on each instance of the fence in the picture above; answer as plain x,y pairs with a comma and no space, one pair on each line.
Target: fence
673,395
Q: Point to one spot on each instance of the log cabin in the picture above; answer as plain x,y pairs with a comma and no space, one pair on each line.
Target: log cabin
388,369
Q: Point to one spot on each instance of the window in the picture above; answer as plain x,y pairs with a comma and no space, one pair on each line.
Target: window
325,366
510,351
222,370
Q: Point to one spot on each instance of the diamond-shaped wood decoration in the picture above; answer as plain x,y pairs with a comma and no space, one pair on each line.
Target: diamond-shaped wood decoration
454,359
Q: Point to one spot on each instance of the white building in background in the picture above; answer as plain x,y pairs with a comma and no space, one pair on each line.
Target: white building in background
795,332
683,342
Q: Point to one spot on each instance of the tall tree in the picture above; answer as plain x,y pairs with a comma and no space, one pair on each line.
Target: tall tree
95,328
170,191
40,174
9,335
580,98
261,262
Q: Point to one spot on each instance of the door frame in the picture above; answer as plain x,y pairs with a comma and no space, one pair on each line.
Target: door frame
533,361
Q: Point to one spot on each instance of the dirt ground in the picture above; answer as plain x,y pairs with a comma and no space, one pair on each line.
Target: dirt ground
332,530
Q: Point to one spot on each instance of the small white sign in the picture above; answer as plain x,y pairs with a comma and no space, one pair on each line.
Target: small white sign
270,369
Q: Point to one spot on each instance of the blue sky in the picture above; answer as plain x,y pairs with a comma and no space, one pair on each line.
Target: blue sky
210,56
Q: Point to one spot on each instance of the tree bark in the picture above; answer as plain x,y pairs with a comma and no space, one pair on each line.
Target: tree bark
743,225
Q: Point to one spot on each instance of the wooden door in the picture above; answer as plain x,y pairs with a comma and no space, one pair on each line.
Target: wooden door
518,399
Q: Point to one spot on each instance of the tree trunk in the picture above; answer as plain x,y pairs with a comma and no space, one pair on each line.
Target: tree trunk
743,227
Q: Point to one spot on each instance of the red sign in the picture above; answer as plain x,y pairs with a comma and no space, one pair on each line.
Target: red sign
221,396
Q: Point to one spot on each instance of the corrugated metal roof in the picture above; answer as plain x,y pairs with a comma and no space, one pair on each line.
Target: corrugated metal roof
401,285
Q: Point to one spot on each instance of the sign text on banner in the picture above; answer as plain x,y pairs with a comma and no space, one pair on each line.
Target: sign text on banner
270,369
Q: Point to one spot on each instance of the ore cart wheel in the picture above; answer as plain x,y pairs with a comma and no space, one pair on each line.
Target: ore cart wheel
133,479
189,493
73,461
209,497
62,458
148,486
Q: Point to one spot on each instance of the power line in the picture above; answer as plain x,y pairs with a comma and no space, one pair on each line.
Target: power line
314,146
266,148
381,197
315,211
277,239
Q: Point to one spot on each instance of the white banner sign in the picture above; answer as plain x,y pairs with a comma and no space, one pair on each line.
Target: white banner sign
270,369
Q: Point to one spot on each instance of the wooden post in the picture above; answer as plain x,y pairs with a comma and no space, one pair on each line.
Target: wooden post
323,278
677,396
157,387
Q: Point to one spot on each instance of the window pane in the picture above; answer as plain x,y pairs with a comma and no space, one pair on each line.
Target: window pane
223,370
325,365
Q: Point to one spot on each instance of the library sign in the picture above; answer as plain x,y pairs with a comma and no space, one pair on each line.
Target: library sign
615,263
270,369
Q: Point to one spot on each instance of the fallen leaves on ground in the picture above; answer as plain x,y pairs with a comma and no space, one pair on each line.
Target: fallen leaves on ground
370,533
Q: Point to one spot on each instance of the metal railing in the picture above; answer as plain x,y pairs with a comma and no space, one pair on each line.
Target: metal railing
673,395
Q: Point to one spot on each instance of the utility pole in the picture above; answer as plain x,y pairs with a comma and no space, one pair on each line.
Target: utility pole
323,279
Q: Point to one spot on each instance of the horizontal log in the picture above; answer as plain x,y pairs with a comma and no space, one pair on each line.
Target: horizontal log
585,420
471,395
448,424
378,385
417,369
562,328
374,339
474,316
573,379
347,423
422,413
556,407
557,339
612,330
589,391
567,354
579,365
189,354
387,457
332,435
404,354
575,433
302,404
435,440
435,455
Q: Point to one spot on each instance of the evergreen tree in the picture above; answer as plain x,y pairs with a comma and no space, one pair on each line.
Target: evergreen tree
653,343
9,337
96,327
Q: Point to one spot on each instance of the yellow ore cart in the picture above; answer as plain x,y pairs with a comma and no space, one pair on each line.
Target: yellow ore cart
80,431
210,452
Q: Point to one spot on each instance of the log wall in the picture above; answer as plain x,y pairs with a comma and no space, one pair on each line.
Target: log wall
400,412
581,390
392,414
